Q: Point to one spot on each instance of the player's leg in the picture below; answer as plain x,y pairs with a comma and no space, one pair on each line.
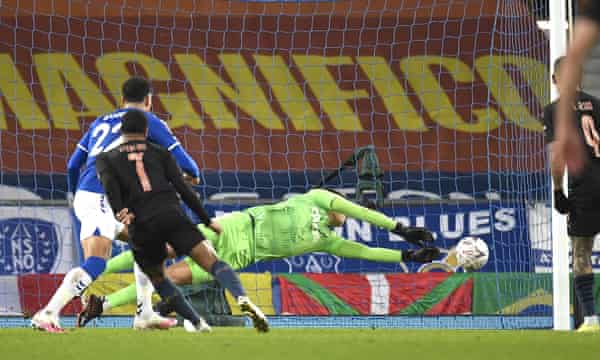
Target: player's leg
95,306
123,261
584,281
150,254
145,317
97,228
207,259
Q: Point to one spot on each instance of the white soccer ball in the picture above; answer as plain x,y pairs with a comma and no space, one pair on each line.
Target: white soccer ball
472,253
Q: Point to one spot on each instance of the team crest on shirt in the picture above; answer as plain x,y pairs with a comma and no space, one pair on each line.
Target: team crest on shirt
27,246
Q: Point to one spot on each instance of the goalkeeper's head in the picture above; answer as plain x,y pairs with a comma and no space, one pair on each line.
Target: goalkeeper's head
136,93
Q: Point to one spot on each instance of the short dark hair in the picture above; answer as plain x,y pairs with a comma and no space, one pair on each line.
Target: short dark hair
134,122
557,63
135,89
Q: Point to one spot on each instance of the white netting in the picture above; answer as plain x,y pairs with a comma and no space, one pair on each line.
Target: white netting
270,96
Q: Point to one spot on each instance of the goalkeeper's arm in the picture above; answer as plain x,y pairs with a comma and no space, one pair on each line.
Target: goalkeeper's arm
332,202
336,203
351,249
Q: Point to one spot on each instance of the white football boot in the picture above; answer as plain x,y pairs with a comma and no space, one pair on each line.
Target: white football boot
259,320
44,320
202,326
155,321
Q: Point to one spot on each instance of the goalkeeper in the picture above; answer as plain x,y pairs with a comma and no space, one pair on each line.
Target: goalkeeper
297,226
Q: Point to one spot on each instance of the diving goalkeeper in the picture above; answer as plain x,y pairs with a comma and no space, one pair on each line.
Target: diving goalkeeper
297,226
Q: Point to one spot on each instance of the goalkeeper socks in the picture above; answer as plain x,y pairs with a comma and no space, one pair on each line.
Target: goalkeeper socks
121,262
124,296
73,284
172,295
144,292
225,275
584,288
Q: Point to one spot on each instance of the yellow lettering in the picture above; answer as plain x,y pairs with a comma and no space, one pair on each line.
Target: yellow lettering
288,93
52,69
113,68
502,86
392,93
434,98
333,99
246,94
18,98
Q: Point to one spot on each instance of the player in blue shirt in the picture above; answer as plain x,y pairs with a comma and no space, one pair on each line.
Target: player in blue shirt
98,223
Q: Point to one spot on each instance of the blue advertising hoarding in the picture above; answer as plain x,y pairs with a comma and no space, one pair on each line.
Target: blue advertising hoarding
503,227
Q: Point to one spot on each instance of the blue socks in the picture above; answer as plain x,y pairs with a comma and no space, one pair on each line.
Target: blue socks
173,297
227,278
584,290
94,266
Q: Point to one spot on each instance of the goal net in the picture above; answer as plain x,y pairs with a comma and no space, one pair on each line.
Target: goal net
271,96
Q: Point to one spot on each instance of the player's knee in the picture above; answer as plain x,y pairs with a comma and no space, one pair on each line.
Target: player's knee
179,274
173,274
204,256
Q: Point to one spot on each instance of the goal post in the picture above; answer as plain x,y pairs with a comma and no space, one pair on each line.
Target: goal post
558,27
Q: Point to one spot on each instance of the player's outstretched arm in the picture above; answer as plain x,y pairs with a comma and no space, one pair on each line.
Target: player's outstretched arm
351,249
333,202
354,250
569,148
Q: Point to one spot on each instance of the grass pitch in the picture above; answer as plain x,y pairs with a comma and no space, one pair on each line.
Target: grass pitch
305,344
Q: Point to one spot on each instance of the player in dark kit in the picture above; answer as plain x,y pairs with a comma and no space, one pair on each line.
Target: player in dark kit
583,202
142,180
567,147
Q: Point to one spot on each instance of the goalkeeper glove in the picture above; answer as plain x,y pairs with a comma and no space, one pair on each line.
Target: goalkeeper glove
414,235
561,202
424,255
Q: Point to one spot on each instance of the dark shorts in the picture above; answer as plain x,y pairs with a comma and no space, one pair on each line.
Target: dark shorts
583,222
148,239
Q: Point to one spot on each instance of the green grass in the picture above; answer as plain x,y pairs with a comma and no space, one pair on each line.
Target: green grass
305,344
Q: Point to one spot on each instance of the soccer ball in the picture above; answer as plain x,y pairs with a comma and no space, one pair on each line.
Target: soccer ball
472,253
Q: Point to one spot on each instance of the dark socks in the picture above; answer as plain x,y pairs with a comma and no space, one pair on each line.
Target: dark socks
584,289
225,275
173,296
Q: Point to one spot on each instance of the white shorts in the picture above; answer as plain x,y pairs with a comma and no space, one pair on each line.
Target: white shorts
95,215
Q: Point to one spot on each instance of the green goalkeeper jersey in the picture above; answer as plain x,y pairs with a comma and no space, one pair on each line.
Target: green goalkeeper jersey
294,227
289,228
